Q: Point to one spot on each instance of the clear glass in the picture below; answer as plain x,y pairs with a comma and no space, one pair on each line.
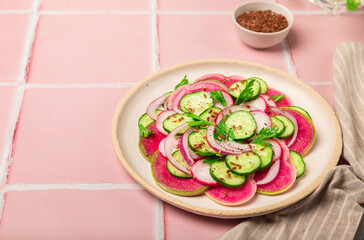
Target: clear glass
334,7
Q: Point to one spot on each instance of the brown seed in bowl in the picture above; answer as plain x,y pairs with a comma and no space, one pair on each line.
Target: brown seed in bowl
262,21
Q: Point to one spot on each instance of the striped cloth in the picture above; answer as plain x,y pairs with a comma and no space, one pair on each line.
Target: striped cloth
335,209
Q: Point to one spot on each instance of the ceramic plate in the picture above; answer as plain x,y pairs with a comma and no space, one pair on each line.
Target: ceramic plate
323,156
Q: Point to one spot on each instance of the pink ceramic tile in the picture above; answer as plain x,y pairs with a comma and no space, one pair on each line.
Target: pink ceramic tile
78,214
199,5
299,5
190,37
13,31
327,92
180,224
64,136
15,4
96,5
312,46
91,49
7,100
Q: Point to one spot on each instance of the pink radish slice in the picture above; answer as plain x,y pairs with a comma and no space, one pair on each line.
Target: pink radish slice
258,103
284,112
154,105
233,79
160,119
277,149
228,111
171,145
208,85
201,172
175,103
215,76
272,173
215,145
228,99
184,147
269,100
235,146
262,119
161,147
285,102
149,145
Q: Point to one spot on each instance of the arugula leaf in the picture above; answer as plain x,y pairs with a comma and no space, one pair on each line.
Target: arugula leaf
218,97
222,133
276,98
352,4
265,133
211,160
246,93
184,81
197,120
143,132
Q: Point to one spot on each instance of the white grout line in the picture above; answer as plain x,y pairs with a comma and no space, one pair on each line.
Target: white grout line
6,11
291,68
80,85
96,12
9,84
103,186
196,12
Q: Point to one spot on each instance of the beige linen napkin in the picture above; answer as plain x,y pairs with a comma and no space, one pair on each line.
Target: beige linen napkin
335,209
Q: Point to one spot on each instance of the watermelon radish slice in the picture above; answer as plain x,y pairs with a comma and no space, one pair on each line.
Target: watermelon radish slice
201,172
233,196
161,147
271,174
306,133
172,184
285,102
262,119
270,102
285,177
209,76
149,145
233,79
258,103
277,149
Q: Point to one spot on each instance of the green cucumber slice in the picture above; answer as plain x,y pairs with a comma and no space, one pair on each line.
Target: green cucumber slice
222,174
265,153
175,120
236,88
276,123
263,84
244,163
288,126
210,114
297,161
300,110
196,102
242,123
198,143
145,120
175,171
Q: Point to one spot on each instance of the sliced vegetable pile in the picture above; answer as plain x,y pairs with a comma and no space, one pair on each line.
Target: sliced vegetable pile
227,137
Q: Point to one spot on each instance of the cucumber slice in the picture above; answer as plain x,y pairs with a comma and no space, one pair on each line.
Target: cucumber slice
175,120
265,153
210,114
263,84
244,163
288,126
145,120
198,143
298,163
300,110
176,172
222,174
242,123
236,88
196,102
276,123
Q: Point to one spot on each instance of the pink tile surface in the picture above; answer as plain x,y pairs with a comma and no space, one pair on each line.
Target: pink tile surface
7,101
64,136
15,4
327,92
96,5
199,5
13,32
312,50
180,224
75,214
91,49
300,5
190,37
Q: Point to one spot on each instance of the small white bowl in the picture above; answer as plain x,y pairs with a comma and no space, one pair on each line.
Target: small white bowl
258,39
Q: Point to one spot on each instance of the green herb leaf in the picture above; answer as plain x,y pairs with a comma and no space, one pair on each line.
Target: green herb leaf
246,93
184,81
276,98
222,133
218,97
143,132
352,4
211,160
266,133
197,121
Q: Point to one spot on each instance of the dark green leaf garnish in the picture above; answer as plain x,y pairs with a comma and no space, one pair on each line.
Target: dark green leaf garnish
276,98
218,97
352,4
143,132
222,133
266,133
197,121
212,160
246,93
184,81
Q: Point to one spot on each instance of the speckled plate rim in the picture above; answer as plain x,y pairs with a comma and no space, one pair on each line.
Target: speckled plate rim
225,213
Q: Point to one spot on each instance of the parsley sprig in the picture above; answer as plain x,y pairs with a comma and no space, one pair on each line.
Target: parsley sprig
352,4
222,133
184,81
278,97
247,92
218,97
197,121
211,160
143,132
266,133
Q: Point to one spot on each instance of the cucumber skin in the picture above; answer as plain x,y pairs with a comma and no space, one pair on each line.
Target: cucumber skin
243,173
183,175
248,136
200,153
277,120
263,84
300,171
281,136
217,179
271,157
256,92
